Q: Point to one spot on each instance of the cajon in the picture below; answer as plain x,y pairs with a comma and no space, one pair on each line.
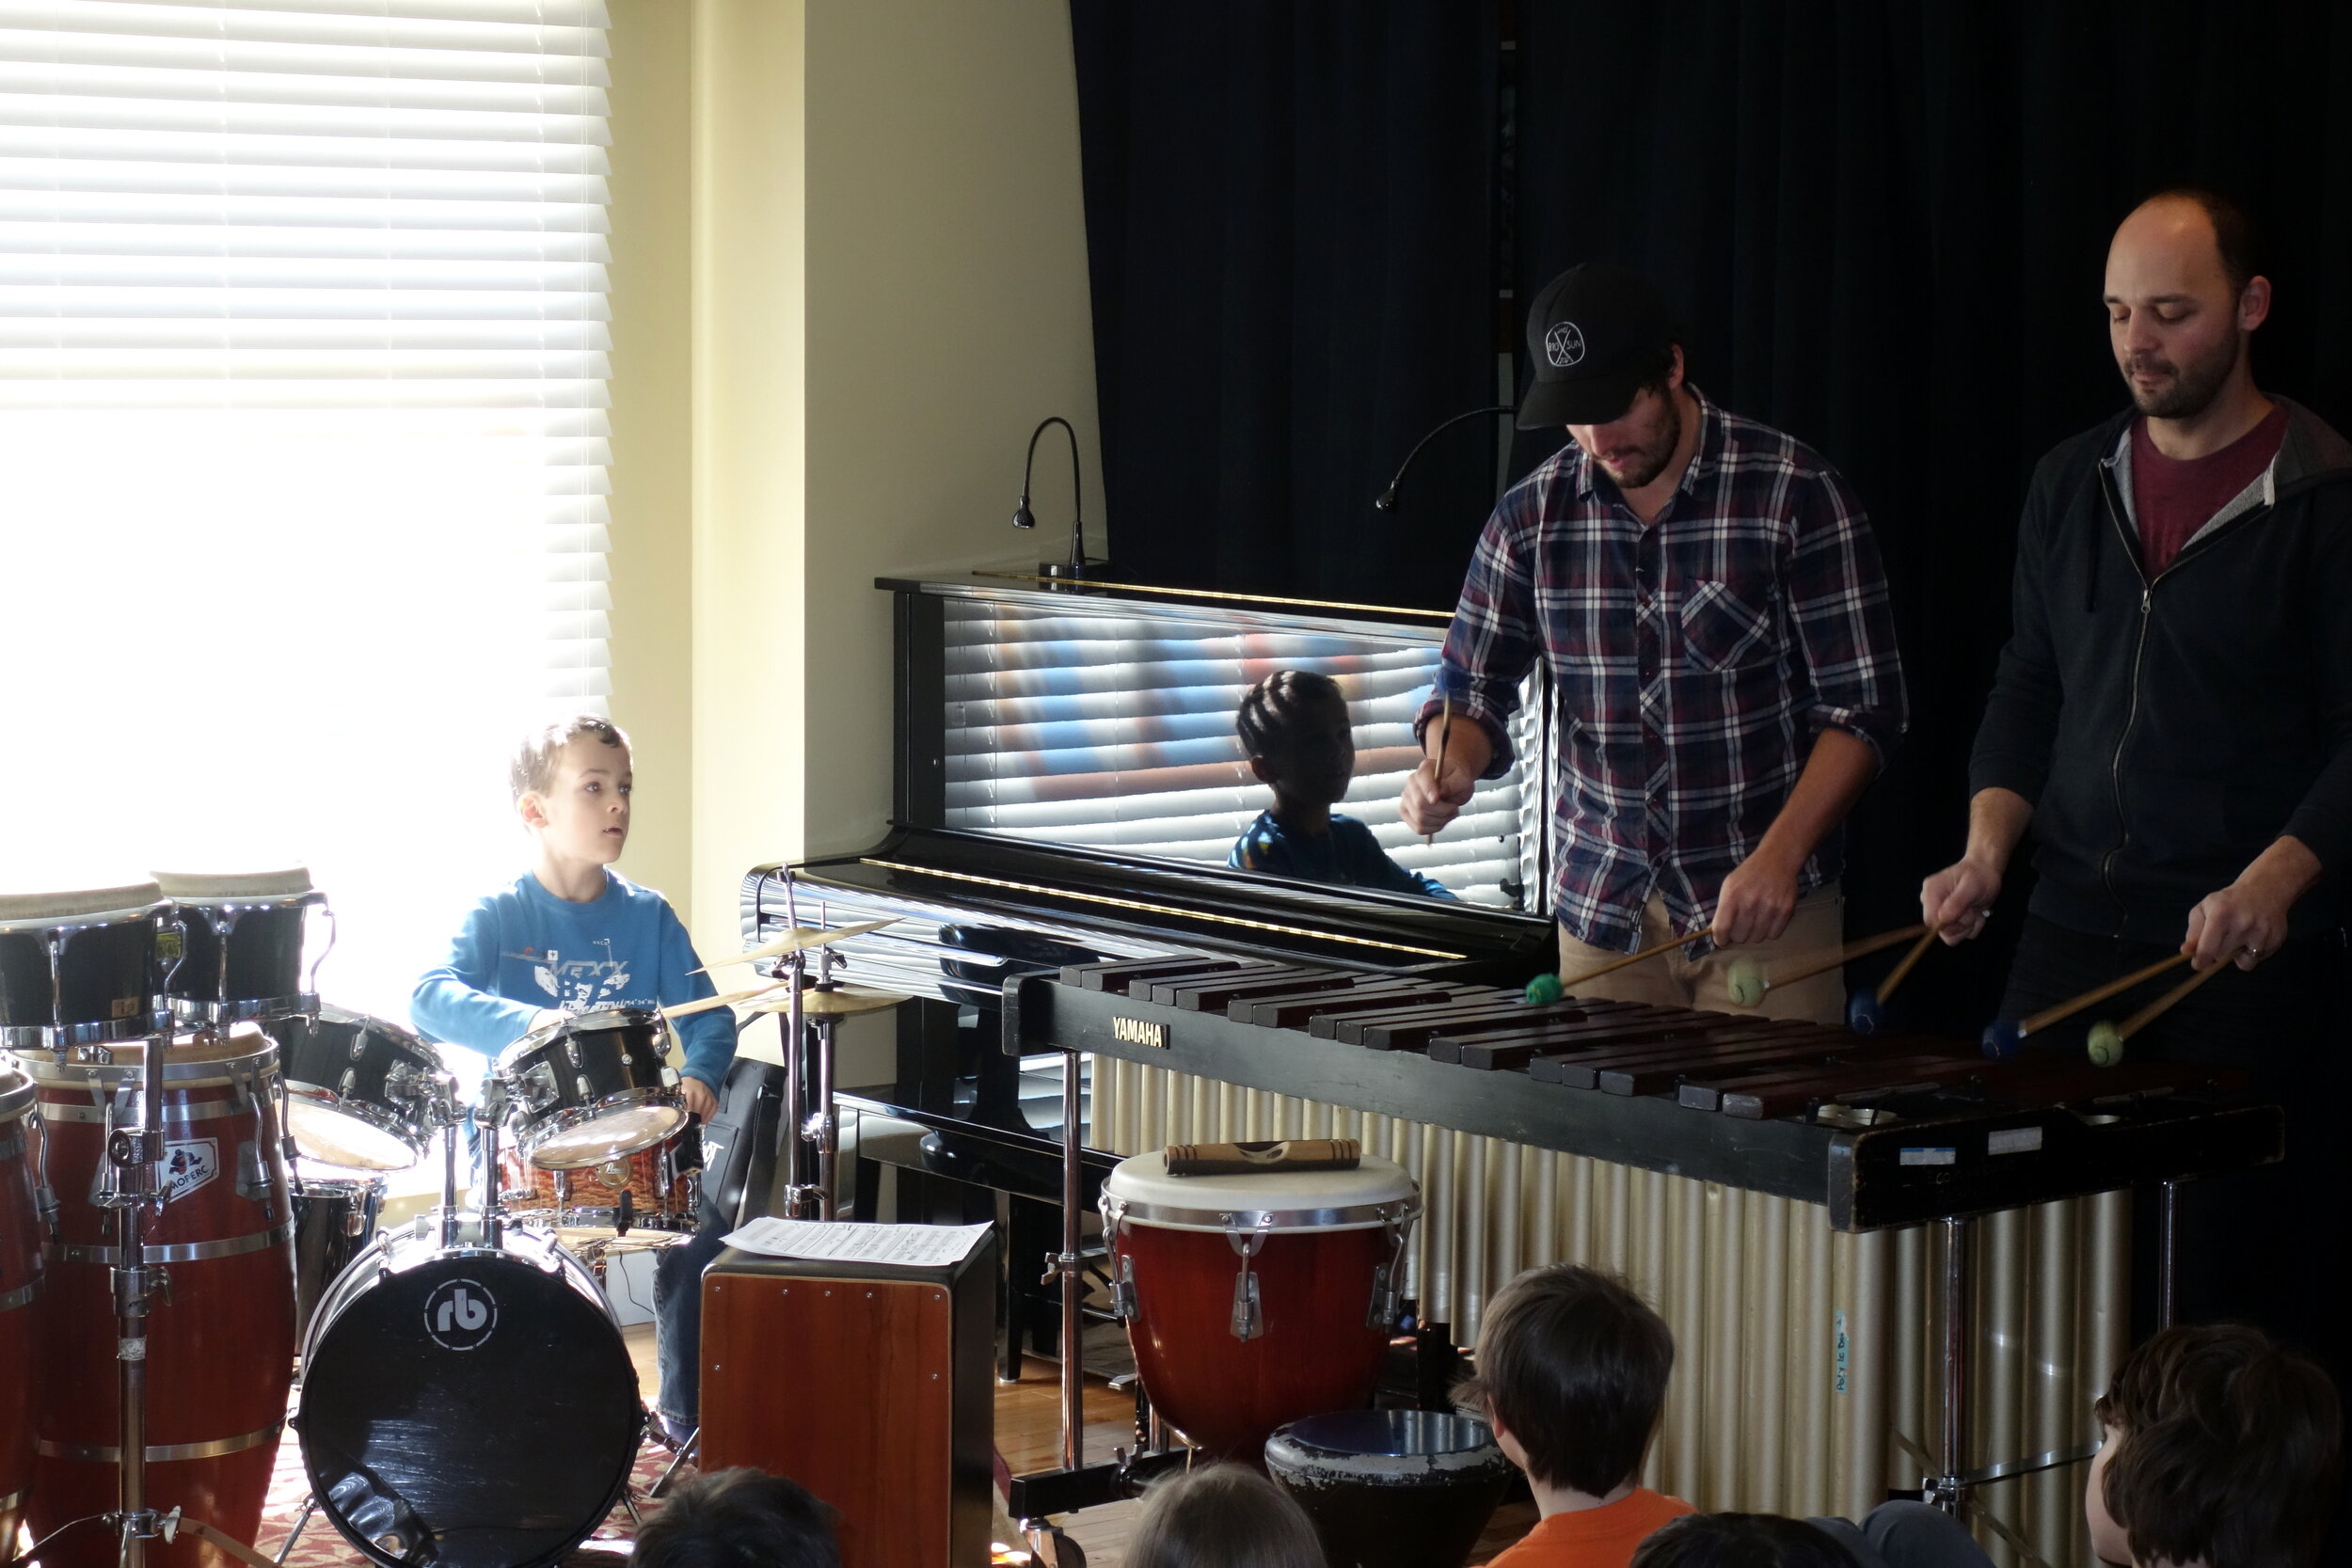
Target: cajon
870,1386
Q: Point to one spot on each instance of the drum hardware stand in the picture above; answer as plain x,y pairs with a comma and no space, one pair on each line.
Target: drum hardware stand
1953,1490
811,1130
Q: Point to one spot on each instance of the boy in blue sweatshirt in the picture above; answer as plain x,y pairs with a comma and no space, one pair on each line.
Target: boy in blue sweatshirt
569,935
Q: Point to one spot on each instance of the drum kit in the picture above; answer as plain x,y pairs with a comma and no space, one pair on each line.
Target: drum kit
163,1255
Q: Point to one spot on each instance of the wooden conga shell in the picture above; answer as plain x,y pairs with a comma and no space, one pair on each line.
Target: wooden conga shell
1325,1236
22,1282
219,1349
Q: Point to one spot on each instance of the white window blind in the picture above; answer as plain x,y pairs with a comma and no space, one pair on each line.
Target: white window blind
303,342
1114,731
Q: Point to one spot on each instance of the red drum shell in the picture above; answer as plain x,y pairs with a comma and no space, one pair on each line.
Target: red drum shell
1316,1353
220,1349
22,1281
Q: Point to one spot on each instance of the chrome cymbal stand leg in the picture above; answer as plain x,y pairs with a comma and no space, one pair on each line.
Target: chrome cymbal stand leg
302,1518
132,1190
686,1451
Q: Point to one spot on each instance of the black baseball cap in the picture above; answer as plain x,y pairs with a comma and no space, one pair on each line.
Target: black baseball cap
1595,334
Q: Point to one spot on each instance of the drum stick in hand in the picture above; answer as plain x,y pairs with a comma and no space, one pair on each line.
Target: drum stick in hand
1445,737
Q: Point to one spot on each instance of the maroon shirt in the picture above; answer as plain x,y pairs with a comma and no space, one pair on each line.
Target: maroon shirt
2172,497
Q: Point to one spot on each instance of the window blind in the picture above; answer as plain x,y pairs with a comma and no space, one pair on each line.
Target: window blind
1115,731
303,340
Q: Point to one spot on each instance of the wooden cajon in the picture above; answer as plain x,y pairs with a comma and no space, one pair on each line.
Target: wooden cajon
869,1385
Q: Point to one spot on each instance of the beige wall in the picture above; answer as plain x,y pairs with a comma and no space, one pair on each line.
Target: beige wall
866,216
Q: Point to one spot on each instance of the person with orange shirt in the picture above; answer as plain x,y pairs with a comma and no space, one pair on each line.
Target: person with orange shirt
1572,1370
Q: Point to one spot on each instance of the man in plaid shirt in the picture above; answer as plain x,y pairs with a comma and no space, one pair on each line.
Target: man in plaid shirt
1709,599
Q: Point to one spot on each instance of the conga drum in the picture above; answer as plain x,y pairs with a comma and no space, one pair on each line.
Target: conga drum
21,1282
220,1347
1391,1488
1255,1300
77,964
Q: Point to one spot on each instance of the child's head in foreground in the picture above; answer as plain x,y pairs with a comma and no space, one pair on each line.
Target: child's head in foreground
1572,1370
738,1519
1224,1516
1741,1540
2222,1450
571,783
1295,727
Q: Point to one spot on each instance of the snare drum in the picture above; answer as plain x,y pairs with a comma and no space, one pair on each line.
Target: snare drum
360,1093
241,943
220,1345
1392,1488
78,966
21,1282
1255,1300
592,1088
661,1183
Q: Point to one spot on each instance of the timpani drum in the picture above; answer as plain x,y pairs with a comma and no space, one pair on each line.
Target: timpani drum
1255,1300
220,1345
361,1093
77,964
1392,1488
592,1088
241,943
21,1282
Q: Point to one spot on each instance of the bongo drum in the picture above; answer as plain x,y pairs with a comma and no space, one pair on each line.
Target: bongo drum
21,1282
220,1346
1255,1300
241,943
77,965
1391,1488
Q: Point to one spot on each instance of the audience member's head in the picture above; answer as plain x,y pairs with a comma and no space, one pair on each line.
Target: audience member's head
1741,1540
1572,1370
1224,1516
2222,1450
1294,726
738,1519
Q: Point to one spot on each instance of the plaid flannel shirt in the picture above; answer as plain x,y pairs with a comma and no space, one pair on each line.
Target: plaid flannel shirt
1695,659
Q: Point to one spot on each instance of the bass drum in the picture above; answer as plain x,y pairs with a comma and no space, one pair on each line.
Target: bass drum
470,1406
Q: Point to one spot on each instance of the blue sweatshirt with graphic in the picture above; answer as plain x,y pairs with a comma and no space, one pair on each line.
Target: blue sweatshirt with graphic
522,949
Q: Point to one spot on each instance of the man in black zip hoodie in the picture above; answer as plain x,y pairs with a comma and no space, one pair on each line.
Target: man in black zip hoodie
2173,720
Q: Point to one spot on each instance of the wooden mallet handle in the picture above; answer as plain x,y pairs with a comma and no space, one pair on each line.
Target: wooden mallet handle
2097,994
1918,951
2156,1009
1846,954
1445,738
1615,964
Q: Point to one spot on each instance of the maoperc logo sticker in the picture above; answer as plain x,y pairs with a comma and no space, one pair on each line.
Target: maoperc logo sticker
1563,345
460,1314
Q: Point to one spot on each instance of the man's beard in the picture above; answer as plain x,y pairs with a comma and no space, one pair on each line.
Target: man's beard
1653,458
2194,384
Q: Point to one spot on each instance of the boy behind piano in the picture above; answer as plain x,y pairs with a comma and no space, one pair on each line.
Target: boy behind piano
568,934
1294,726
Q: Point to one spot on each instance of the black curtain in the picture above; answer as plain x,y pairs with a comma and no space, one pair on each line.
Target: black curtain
1885,224
1290,233
1886,227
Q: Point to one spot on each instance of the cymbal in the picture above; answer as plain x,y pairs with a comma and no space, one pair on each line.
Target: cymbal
724,999
840,1002
800,939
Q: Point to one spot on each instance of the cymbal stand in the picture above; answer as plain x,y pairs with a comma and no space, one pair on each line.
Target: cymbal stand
133,1190
809,1125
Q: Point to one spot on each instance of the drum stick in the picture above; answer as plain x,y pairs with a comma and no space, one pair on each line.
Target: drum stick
1445,737
1918,951
1846,954
1615,964
2156,1009
2091,998
724,999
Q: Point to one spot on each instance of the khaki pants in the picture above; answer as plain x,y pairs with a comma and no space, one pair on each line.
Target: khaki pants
1817,929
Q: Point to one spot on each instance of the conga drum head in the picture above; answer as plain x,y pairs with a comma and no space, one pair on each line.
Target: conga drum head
1255,1300
467,1407
1392,1488
77,961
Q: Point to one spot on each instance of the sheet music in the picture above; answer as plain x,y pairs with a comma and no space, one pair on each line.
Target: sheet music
910,1246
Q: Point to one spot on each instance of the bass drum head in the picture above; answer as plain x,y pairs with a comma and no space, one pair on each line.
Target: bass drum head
474,1410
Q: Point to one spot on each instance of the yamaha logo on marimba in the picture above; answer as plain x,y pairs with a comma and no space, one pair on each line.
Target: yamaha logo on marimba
1136,1031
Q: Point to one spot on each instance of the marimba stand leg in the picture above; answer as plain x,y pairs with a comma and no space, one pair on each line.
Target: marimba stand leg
2168,1252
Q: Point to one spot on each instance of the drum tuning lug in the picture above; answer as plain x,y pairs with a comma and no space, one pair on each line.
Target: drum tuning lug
1124,1291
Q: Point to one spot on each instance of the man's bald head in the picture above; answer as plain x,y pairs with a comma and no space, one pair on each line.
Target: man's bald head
2183,297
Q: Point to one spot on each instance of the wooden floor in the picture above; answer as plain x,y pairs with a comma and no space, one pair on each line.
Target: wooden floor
1029,1437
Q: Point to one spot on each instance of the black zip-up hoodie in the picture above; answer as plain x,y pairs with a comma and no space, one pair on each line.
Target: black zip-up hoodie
2168,730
